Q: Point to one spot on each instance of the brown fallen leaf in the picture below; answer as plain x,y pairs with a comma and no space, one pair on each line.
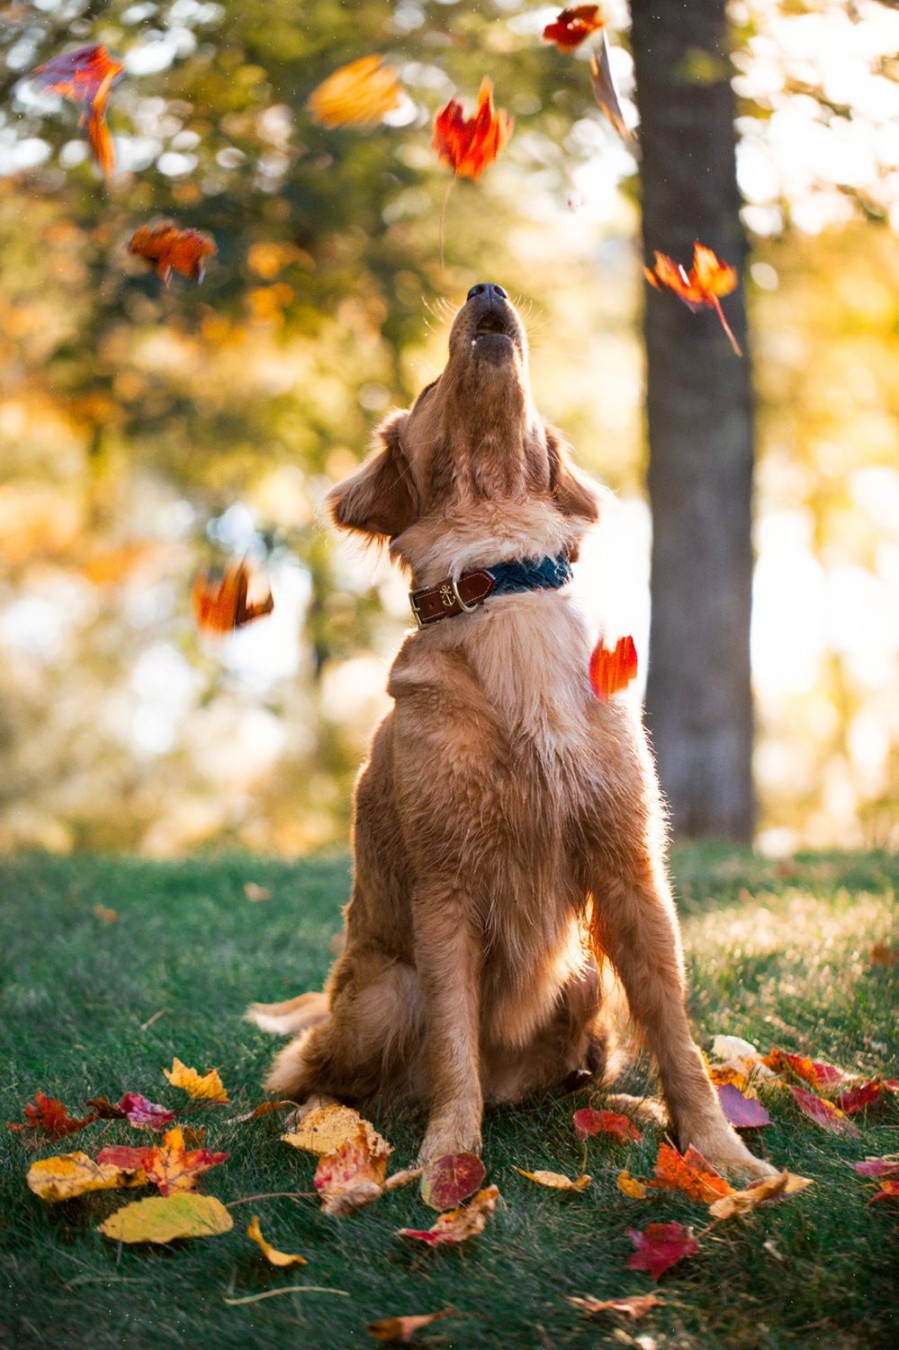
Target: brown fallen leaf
163,1218
447,1181
457,1225
263,1109
744,1202
207,1088
48,1116
402,1329
634,1305
557,1181
272,1254
73,1174
882,954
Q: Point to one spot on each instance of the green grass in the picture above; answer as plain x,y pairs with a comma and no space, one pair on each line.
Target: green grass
778,953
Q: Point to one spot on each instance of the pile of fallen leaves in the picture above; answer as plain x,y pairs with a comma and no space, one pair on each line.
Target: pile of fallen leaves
352,1167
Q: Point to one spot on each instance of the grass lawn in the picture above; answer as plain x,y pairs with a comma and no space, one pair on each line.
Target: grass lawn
779,953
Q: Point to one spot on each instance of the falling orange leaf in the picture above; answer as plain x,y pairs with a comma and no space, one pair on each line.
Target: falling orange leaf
612,670
744,1202
208,1087
688,1173
823,1113
557,1181
219,600
402,1329
634,1305
172,250
457,1225
447,1181
86,76
469,145
569,28
272,1254
701,288
659,1246
49,1116
360,94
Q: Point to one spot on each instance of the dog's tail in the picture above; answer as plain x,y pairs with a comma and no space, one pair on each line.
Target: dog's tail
290,1017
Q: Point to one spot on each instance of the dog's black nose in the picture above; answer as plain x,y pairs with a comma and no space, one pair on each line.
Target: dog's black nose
488,290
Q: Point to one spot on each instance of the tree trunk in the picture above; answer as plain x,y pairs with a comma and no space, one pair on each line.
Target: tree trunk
700,416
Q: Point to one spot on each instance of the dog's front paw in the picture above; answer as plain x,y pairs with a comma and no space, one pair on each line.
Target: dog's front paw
726,1152
446,1137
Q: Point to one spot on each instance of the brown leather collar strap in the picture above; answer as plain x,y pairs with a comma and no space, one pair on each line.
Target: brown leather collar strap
451,597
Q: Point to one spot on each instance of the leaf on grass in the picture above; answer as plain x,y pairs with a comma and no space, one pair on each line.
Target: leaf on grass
220,599
169,1166
569,28
457,1225
162,1218
86,76
142,1113
612,669
814,1072
402,1329
273,1255
358,95
887,1167
744,1113
172,250
73,1174
735,1053
447,1181
589,1122
688,1173
105,914
630,1186
469,145
634,1305
660,1246
253,891
889,1190
702,287
744,1202
105,1109
824,1114
557,1181
860,1097
325,1128
207,1088
604,89
263,1109
352,1176
50,1117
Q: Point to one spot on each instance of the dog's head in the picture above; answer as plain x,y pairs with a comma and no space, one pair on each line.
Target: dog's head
472,448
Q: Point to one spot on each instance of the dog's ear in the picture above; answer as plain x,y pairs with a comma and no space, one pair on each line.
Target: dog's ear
379,499
573,494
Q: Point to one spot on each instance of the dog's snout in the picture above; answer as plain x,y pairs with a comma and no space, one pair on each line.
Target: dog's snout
488,290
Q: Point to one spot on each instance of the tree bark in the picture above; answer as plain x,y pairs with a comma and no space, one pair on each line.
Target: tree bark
700,422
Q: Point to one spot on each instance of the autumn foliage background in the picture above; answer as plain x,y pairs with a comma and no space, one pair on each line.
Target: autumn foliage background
147,432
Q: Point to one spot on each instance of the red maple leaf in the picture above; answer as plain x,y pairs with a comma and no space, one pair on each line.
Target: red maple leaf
48,1115
569,28
688,1173
701,288
469,145
823,1113
589,1122
659,1246
611,670
859,1098
172,250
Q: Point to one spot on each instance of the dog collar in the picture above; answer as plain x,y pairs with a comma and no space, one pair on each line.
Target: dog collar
460,596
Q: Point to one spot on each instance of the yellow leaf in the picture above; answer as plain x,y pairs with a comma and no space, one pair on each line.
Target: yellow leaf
72,1174
360,94
162,1218
556,1181
209,1087
326,1128
743,1202
629,1185
277,1258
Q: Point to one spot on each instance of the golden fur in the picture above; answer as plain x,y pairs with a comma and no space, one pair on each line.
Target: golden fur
508,829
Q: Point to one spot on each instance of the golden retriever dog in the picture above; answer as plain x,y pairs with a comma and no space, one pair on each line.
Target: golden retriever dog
509,835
